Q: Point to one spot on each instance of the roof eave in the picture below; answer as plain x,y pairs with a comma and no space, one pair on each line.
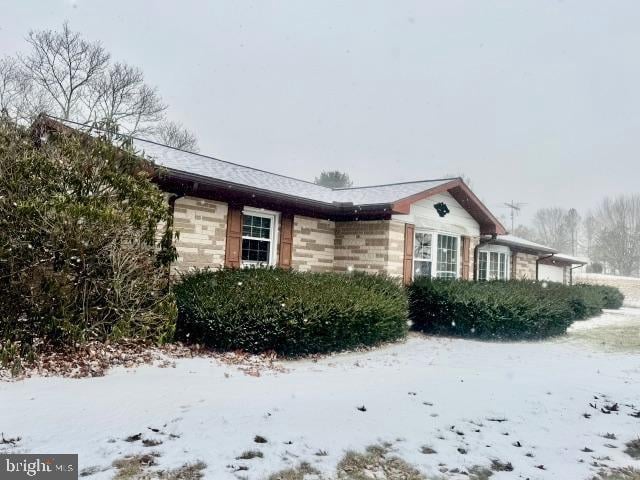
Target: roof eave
489,224
524,248
182,182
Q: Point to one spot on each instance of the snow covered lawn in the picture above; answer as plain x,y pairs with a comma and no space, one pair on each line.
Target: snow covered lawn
540,406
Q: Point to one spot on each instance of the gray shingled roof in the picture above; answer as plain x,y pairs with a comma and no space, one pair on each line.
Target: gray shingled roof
204,166
181,161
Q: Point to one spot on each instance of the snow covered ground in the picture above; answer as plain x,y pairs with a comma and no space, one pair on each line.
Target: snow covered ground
531,404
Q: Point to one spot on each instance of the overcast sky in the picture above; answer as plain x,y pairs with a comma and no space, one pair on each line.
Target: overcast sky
535,101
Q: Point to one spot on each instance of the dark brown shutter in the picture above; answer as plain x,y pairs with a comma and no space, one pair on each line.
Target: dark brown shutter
233,249
407,267
466,255
286,240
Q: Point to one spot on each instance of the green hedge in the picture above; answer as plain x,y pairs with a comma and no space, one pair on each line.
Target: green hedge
604,295
289,312
504,310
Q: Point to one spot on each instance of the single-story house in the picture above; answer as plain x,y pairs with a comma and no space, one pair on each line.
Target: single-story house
230,215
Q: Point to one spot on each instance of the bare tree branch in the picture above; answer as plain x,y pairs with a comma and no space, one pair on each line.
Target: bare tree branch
550,226
120,97
63,65
617,238
67,76
175,135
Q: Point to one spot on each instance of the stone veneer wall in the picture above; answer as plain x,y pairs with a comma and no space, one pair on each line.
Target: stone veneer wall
523,266
395,248
202,227
313,244
370,246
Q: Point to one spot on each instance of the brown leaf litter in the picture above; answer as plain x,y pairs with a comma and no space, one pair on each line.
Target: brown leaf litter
96,358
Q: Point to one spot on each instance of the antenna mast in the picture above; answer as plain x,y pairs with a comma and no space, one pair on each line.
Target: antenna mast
514,207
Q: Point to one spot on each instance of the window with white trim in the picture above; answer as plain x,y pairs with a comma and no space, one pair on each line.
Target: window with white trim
447,265
493,265
257,238
446,255
422,254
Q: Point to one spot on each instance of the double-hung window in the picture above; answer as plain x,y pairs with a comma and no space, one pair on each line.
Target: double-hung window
422,254
445,248
493,265
257,238
447,257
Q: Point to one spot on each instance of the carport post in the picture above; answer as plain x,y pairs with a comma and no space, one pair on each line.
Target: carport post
571,269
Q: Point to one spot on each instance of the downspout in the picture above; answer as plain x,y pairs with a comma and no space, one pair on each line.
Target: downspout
538,263
172,208
571,273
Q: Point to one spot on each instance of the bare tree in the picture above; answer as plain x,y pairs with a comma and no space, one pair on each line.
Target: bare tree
66,76
10,87
618,235
525,232
63,65
550,226
120,97
573,224
175,135
590,227
19,100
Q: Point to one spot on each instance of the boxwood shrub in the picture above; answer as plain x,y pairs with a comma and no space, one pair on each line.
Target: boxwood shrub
289,312
504,310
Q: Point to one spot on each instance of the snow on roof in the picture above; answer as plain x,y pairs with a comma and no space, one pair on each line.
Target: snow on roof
182,161
512,240
571,259
202,165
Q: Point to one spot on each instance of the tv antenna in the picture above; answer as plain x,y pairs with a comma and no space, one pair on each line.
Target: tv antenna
514,207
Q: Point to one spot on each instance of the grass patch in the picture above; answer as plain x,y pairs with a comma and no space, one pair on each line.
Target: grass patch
249,454
87,472
188,471
622,337
297,473
151,442
498,466
132,467
624,473
135,467
633,448
376,463
479,473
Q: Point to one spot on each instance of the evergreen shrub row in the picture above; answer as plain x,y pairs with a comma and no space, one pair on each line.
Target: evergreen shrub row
505,310
291,313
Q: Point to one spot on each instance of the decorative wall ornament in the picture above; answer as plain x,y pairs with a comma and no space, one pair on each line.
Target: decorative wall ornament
441,208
